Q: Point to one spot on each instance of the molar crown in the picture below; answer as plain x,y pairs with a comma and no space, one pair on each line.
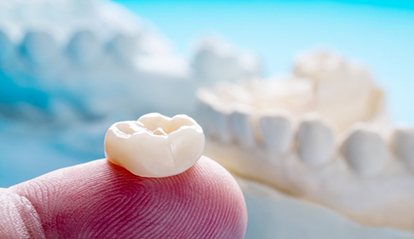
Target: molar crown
316,141
403,145
365,151
155,145
276,132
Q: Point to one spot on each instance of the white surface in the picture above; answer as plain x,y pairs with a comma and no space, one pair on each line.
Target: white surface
275,215
383,199
362,179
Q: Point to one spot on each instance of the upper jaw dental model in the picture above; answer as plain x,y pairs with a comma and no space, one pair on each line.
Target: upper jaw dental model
67,61
155,145
321,135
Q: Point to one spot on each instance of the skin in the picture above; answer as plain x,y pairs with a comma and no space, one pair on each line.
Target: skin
101,200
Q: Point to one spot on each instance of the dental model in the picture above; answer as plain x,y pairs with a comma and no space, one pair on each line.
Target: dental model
65,59
217,61
75,66
155,145
322,135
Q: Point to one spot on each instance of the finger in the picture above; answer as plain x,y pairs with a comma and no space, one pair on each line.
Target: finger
101,200
18,219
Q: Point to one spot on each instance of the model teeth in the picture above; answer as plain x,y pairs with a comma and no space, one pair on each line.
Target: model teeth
320,64
403,145
123,48
216,61
84,48
222,131
155,145
40,48
215,123
316,141
365,151
359,179
276,132
241,130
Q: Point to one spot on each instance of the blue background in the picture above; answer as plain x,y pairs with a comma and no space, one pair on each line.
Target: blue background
379,34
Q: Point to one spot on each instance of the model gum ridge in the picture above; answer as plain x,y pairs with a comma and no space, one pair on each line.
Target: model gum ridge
321,134
155,145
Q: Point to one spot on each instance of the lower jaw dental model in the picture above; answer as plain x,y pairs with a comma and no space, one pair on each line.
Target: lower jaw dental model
322,135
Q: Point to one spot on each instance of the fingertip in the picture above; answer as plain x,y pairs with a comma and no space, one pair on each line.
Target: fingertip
100,199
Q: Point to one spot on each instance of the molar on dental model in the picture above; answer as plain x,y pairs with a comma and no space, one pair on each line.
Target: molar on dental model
343,91
316,141
365,151
320,65
155,145
403,145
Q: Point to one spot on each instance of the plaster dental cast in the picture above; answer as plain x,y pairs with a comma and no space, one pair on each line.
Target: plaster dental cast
155,184
322,134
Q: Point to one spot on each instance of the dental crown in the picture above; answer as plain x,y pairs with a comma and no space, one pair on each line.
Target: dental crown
321,134
155,145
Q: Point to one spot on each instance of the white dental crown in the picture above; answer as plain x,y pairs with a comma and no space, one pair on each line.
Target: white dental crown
155,145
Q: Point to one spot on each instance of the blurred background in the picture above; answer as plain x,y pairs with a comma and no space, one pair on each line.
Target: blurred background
378,34
54,113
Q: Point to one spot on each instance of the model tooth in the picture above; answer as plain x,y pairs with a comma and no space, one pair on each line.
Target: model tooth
241,129
123,48
365,151
217,61
84,48
316,141
39,47
220,123
206,114
155,145
6,47
319,64
215,121
403,145
276,132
